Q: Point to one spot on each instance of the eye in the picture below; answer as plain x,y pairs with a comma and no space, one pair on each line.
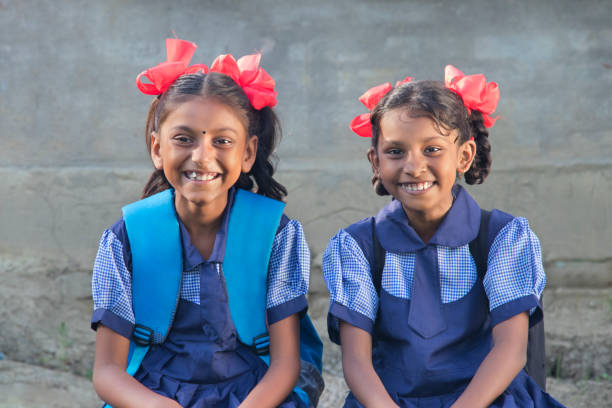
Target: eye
432,149
223,141
394,151
182,139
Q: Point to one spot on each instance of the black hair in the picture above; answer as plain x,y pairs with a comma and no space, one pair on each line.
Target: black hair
445,108
264,123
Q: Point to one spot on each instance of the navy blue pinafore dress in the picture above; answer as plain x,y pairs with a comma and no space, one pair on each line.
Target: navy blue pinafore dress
202,363
426,351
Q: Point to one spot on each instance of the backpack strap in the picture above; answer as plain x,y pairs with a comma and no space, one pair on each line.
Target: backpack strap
254,220
157,270
479,246
490,225
378,258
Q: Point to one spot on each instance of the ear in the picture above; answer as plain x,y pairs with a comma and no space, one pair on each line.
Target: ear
374,161
250,154
156,150
466,154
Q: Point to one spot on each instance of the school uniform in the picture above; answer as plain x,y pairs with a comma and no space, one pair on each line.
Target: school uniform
432,324
202,363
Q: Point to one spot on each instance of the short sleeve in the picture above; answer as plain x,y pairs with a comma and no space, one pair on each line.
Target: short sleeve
515,276
111,287
288,274
347,275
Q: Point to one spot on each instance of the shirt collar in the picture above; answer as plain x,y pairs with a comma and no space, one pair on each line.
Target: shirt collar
191,255
459,226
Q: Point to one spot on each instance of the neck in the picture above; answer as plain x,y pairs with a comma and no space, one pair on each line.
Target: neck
426,223
201,219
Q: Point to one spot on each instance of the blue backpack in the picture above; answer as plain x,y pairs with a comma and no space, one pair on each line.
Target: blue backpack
157,270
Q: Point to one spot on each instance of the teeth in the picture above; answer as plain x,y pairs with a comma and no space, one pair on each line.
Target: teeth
418,186
192,175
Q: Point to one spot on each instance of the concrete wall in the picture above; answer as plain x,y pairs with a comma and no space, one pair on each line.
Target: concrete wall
72,119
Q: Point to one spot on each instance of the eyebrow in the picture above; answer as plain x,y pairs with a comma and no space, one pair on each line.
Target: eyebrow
392,142
224,129
190,130
427,140
185,128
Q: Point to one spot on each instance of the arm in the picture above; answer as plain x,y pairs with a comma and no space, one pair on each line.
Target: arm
358,370
284,368
112,383
502,364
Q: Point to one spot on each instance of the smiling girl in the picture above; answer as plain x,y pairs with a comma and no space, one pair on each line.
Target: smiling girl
209,134
421,322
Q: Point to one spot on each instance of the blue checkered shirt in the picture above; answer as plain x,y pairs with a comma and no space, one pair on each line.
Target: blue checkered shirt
514,270
288,275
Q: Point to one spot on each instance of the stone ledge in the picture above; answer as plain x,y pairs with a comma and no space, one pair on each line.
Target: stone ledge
60,213
578,324
581,394
45,309
28,386
574,394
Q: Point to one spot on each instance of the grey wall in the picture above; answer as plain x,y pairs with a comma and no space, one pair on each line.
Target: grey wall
72,119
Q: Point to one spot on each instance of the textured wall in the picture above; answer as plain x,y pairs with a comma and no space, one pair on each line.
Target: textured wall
72,119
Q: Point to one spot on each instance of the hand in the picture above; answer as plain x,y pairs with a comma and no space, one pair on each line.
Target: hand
112,383
284,367
505,360
169,403
359,372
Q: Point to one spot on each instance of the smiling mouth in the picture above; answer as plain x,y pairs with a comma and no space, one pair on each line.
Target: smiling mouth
417,187
199,176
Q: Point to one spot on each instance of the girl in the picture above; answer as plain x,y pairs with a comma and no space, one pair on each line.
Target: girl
208,133
431,332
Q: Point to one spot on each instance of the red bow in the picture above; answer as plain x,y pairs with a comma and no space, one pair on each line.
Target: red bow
361,124
476,92
257,84
178,55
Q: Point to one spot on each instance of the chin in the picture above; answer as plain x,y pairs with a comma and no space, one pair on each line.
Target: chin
412,204
199,198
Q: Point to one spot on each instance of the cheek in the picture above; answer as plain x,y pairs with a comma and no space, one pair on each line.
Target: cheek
383,167
165,148
449,166
233,161
170,155
388,170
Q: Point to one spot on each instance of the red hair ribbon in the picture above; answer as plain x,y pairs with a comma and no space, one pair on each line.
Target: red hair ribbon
257,84
361,124
255,81
178,55
476,92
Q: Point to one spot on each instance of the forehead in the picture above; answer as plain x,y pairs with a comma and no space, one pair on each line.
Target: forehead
405,125
204,113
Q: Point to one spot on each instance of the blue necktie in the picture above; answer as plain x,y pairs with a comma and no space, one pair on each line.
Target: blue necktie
426,316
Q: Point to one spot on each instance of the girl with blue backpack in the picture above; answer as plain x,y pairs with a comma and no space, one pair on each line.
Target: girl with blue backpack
425,319
200,288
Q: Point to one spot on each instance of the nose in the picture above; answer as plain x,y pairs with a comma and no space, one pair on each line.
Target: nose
414,164
202,152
